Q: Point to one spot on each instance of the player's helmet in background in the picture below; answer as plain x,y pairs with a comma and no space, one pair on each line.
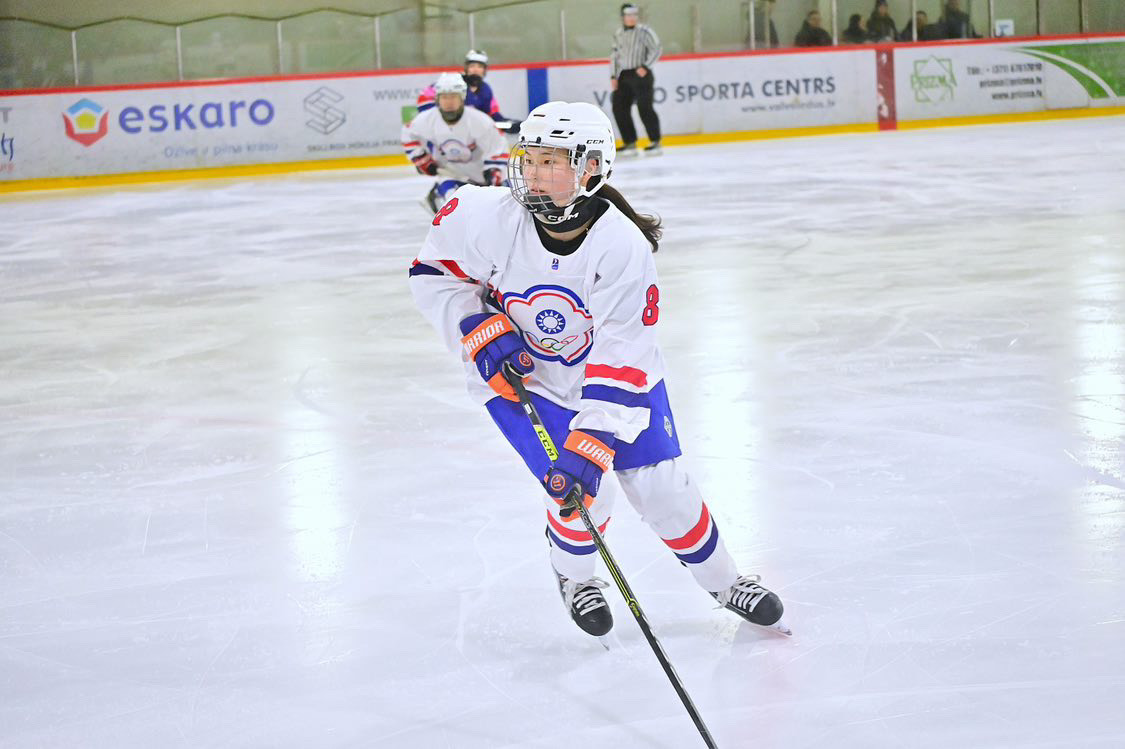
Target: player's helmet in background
475,55
581,130
451,83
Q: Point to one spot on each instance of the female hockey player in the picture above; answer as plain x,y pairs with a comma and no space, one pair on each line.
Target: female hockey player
461,144
554,279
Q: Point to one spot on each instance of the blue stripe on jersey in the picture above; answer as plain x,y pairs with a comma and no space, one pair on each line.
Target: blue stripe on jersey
656,443
536,87
701,554
619,396
570,548
421,269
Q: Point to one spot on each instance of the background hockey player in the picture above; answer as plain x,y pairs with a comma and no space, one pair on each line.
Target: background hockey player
479,95
457,144
554,278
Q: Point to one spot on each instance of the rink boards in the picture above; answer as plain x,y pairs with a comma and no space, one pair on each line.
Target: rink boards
159,131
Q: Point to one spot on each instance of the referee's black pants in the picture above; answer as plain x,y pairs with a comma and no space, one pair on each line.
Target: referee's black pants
633,88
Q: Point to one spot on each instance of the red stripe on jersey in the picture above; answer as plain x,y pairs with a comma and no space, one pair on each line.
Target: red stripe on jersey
455,269
692,537
411,144
633,376
573,535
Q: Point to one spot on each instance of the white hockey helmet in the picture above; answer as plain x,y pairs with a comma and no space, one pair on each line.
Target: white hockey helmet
475,55
451,83
580,129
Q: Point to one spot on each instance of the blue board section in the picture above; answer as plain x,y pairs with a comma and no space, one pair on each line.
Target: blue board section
536,87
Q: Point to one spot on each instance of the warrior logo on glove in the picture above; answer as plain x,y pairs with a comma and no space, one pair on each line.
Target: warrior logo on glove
492,342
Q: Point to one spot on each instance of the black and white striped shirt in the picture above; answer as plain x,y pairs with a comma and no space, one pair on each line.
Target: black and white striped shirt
634,48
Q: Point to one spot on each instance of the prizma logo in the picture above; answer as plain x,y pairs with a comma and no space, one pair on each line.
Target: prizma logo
86,122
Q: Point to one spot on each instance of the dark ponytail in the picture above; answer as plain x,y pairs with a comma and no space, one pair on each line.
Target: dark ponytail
649,225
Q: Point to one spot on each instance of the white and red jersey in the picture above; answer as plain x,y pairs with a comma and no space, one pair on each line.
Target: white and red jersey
464,149
588,318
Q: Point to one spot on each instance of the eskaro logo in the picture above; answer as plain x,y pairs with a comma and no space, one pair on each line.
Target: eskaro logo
86,122
933,80
326,117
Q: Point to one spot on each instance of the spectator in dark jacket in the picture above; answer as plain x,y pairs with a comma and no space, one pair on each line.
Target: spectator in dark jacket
811,33
854,33
927,32
955,22
881,27
765,32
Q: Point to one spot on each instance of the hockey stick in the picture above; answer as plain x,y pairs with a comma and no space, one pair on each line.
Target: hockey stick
575,498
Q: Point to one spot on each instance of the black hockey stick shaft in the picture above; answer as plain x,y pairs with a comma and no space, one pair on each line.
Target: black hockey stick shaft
615,572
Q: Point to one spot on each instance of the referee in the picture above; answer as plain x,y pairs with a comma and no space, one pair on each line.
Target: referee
635,49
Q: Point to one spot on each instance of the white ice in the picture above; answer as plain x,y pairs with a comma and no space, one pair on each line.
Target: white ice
245,501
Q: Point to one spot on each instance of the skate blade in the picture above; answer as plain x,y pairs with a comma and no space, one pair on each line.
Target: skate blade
780,627
604,640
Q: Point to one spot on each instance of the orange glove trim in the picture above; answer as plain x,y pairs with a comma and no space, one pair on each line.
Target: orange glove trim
590,448
503,388
488,331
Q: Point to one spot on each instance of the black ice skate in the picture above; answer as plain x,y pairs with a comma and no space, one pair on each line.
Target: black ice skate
587,605
432,201
754,603
653,149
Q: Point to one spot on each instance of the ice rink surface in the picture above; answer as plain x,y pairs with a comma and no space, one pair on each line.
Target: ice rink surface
245,501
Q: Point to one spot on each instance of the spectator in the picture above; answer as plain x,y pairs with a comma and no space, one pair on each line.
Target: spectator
635,49
855,33
765,33
927,32
811,33
955,23
881,27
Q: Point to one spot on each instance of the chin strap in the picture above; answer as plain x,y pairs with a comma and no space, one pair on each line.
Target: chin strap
573,216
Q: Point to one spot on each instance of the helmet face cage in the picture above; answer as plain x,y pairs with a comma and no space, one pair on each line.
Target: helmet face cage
562,176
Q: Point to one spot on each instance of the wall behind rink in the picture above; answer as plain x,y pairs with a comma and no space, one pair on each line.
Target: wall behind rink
353,119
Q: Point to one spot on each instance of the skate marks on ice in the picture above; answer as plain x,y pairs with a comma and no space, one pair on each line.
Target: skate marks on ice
245,504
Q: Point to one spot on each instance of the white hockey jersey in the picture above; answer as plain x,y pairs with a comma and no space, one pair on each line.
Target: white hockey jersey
588,317
464,149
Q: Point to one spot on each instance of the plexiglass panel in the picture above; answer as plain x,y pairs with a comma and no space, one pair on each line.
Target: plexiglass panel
229,48
126,52
400,39
589,28
34,56
438,35
326,42
1020,12
1105,16
521,33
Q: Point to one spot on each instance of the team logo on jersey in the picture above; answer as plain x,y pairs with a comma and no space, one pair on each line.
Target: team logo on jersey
555,322
550,321
456,152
